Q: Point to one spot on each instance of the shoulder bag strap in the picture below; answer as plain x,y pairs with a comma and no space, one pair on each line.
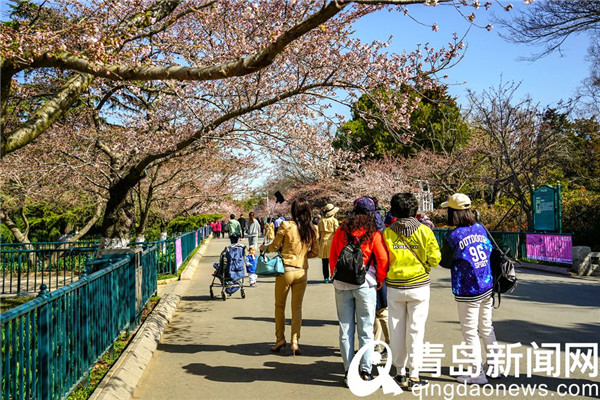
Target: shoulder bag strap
412,251
492,239
494,244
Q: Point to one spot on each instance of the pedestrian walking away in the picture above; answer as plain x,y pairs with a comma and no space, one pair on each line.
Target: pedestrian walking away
233,228
243,223
327,227
413,251
466,251
269,230
356,302
297,241
252,231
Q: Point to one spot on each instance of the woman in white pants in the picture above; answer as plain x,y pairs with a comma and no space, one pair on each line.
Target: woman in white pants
412,250
466,251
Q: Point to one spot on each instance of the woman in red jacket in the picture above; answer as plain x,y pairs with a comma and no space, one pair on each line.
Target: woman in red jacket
355,303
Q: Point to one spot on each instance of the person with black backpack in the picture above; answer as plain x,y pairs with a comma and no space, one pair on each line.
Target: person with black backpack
466,251
356,244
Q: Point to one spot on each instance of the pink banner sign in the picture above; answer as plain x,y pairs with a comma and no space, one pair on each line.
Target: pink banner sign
545,247
178,253
196,238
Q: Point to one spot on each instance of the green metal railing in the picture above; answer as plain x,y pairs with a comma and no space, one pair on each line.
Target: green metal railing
24,267
49,344
167,257
24,270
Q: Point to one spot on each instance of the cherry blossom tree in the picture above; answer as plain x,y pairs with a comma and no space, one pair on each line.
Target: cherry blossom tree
164,79
33,178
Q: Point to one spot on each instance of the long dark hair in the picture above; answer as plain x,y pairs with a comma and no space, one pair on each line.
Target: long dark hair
461,217
250,218
303,218
357,221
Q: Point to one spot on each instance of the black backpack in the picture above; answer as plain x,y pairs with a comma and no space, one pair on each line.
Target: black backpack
350,267
503,270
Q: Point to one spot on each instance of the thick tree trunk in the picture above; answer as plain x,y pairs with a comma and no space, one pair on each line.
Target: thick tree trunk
144,214
119,217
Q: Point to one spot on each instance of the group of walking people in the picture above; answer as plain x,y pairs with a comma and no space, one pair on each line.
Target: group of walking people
397,258
242,228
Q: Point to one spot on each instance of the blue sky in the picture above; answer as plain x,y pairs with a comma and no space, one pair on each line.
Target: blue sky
488,56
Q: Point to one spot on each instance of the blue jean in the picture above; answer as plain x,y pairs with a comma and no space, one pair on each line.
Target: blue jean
356,307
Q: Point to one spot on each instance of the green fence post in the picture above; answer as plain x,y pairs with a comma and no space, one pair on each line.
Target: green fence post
19,275
132,297
172,257
44,343
85,323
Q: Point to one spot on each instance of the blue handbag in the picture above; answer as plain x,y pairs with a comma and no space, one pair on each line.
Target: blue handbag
266,266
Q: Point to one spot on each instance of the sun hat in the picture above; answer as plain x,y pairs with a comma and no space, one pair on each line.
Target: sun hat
458,201
364,204
330,210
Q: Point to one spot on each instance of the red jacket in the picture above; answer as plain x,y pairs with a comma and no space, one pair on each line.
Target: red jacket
374,246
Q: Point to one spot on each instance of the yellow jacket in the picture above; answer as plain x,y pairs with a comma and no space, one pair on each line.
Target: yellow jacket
405,270
269,230
294,253
327,228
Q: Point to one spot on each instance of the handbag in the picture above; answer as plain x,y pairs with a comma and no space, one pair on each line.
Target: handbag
503,270
266,266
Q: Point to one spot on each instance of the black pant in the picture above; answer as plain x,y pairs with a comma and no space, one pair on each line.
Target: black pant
325,262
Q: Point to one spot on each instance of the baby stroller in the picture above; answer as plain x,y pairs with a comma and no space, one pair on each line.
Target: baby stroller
230,271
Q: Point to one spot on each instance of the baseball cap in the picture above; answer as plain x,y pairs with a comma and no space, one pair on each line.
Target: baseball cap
458,201
365,205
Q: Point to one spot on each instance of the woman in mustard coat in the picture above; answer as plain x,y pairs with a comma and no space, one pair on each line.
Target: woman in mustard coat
327,228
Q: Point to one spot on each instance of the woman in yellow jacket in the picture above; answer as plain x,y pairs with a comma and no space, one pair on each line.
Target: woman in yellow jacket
327,228
269,230
297,241
412,250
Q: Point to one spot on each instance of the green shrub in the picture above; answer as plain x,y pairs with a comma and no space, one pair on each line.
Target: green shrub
581,215
193,222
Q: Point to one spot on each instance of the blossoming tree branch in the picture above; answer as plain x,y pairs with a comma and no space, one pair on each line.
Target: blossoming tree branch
132,85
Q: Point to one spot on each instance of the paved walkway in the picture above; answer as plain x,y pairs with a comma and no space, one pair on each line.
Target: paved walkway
216,349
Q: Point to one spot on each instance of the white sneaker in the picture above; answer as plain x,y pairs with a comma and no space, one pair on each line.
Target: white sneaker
473,380
492,373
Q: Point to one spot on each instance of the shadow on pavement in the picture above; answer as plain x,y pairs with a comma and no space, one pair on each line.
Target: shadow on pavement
305,322
525,332
248,349
575,293
317,373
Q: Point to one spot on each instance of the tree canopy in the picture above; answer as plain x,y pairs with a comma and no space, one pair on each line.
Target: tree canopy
435,123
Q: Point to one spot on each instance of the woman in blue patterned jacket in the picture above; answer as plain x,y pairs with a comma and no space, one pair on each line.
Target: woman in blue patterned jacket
467,251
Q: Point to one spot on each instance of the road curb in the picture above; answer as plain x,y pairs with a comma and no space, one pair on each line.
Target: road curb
547,268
